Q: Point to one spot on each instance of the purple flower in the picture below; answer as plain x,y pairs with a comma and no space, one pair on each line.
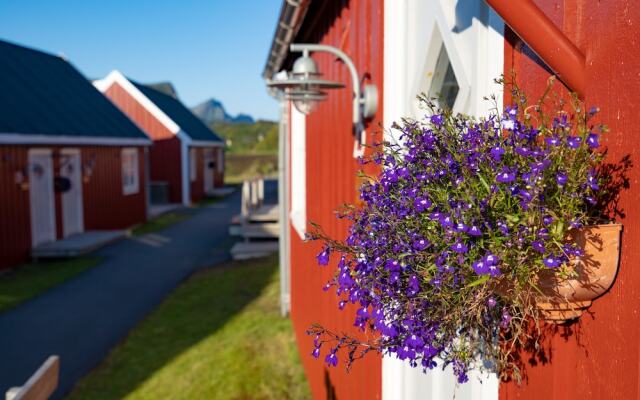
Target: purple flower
494,271
553,141
523,151
592,180
491,259
538,246
561,178
437,119
592,140
491,302
461,227
505,176
474,231
497,152
547,219
323,256
421,204
480,267
421,244
551,261
459,247
331,359
446,221
574,141
316,352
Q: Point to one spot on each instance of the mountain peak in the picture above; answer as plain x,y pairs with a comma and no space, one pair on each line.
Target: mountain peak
212,110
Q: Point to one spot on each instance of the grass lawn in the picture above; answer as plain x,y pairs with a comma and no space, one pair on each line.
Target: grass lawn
160,222
218,336
27,281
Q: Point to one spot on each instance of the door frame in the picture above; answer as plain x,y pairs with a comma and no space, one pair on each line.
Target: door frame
51,203
65,197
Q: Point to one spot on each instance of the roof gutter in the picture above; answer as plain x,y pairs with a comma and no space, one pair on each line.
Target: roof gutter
545,39
291,16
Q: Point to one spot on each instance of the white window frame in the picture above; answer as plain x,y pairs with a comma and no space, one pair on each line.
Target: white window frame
130,171
193,164
298,212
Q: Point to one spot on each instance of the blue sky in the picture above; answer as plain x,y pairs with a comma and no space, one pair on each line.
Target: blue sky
207,48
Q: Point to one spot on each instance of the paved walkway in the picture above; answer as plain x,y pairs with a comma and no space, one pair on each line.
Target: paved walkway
84,318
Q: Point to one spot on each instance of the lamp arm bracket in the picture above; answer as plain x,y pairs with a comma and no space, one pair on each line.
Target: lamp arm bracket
355,81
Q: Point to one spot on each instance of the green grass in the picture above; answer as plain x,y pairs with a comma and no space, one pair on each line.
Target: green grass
239,167
218,336
159,223
29,280
260,137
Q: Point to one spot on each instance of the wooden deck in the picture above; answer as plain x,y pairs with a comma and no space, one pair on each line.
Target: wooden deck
77,245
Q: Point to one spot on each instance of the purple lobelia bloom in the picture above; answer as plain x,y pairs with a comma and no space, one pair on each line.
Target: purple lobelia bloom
331,359
538,246
551,261
420,244
592,140
421,204
561,178
574,141
323,256
505,176
459,247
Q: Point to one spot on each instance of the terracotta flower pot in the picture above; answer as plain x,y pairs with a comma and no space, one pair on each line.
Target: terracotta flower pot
566,299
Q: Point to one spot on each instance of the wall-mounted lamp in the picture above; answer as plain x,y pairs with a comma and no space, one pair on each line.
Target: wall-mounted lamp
305,87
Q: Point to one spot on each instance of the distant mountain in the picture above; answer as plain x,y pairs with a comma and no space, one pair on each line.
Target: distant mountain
212,111
164,87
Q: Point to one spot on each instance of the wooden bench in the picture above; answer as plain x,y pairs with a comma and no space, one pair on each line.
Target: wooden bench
41,385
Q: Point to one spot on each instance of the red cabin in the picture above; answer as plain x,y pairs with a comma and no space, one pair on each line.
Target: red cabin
455,48
186,158
69,160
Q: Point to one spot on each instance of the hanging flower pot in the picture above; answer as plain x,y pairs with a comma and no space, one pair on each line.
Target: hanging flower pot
566,298
471,232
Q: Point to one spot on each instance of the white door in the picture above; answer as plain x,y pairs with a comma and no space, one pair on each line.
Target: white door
72,210
452,49
208,170
41,197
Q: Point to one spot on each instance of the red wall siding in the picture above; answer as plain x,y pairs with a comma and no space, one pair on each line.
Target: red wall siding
165,156
15,228
600,356
165,164
105,207
357,28
218,177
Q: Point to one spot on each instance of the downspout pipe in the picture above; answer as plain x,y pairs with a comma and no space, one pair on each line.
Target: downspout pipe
546,40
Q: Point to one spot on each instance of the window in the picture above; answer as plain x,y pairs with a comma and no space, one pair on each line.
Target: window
444,85
193,163
130,172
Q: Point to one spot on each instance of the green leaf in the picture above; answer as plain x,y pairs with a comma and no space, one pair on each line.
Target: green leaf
479,281
484,182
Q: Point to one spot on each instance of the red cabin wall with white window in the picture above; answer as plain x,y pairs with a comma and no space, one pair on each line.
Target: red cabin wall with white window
598,357
104,205
197,185
356,27
165,154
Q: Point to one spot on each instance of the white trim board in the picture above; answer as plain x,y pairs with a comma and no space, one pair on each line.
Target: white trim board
28,138
116,76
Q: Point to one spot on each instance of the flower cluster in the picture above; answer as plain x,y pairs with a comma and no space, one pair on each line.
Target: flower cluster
444,250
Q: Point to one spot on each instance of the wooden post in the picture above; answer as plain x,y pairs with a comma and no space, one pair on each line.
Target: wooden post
41,385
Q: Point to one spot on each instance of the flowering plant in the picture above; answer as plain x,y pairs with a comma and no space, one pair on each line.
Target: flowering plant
445,250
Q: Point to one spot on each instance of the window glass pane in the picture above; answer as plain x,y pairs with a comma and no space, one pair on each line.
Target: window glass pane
444,85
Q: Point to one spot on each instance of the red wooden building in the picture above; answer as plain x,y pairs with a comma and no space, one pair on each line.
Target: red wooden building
69,160
455,47
186,156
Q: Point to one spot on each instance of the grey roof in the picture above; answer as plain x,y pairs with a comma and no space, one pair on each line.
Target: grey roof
179,113
44,94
